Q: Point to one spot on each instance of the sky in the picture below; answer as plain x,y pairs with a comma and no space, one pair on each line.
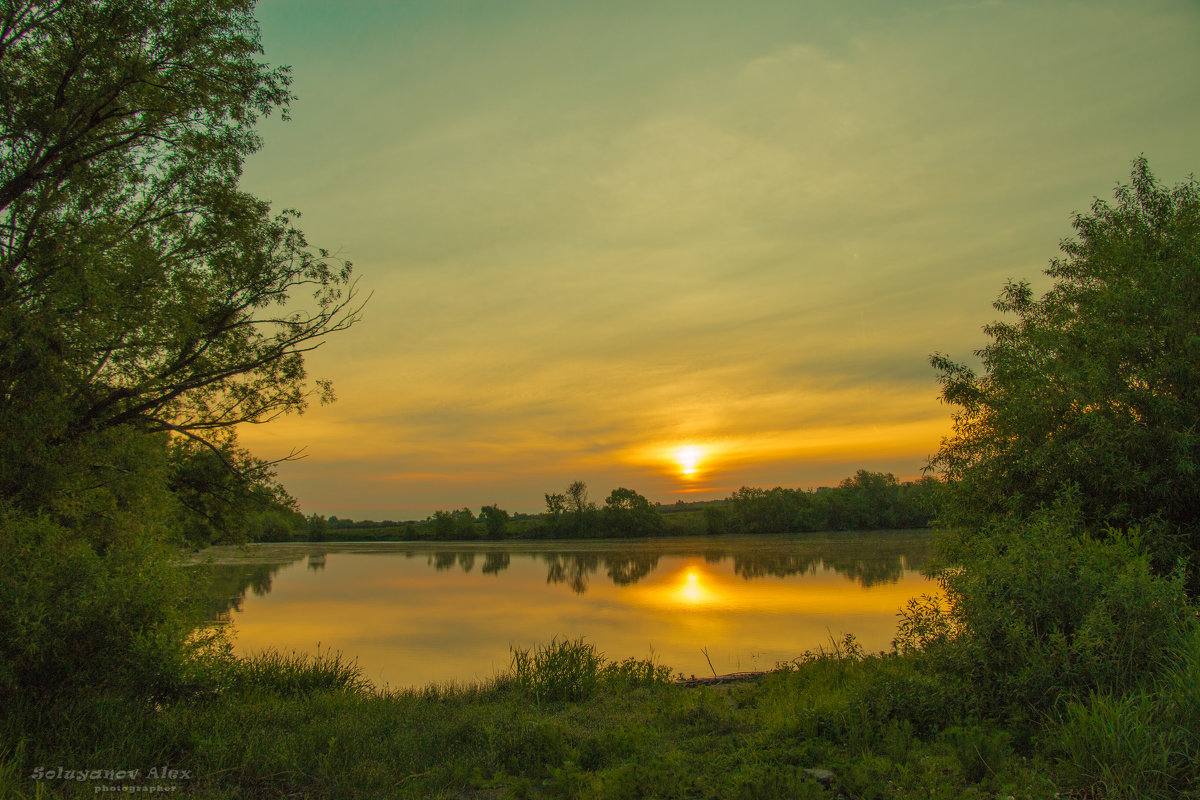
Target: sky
683,247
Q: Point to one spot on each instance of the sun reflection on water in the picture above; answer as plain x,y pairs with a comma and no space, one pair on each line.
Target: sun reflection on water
692,590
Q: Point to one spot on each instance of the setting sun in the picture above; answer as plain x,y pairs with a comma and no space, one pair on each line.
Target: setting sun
688,460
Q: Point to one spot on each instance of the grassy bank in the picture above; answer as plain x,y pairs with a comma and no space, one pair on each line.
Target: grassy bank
562,723
566,723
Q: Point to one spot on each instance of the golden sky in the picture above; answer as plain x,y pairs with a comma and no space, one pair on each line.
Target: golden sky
683,247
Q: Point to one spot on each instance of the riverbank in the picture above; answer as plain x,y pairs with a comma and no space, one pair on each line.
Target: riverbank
564,723
571,726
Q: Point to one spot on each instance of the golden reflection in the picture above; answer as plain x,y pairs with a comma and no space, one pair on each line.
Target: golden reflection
822,591
406,623
692,590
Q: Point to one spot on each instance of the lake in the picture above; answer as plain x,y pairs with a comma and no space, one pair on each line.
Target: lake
419,613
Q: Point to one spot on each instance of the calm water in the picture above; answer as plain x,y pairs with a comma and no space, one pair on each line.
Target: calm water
414,614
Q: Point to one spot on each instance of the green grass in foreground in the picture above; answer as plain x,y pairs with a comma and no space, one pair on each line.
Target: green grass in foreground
566,723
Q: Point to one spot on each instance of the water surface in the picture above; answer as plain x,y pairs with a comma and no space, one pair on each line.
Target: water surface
420,613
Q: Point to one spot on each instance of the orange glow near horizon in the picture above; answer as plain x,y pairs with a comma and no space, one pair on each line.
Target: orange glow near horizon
723,461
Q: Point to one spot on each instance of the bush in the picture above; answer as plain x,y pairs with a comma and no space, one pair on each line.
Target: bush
80,617
1092,384
1039,611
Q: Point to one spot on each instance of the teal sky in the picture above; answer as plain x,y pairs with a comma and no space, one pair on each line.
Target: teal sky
596,233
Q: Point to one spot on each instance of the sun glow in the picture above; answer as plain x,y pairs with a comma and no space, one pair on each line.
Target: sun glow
688,459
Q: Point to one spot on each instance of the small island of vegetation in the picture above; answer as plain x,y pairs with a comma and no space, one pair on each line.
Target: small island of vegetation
148,307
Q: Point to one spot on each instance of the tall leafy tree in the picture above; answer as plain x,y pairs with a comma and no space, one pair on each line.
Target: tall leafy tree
627,513
140,288
495,521
582,510
1095,384
147,307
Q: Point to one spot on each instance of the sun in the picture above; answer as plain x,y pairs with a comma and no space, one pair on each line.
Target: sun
687,458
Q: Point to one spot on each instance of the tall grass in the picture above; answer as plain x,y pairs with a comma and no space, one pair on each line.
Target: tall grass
573,670
1141,744
298,674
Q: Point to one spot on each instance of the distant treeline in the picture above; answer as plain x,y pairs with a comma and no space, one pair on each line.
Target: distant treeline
866,501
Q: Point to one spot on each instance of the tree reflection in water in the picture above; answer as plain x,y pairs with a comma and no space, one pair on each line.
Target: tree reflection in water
224,586
867,558
495,562
572,569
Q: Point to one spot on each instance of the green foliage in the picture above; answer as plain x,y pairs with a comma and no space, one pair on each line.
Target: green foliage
1037,611
276,525
569,514
298,674
138,286
86,616
844,695
227,496
627,513
716,520
866,501
1139,744
581,515
1097,383
147,307
573,670
464,524
1073,490
562,670
95,572
635,735
451,525
495,521
556,504
633,673
317,528
443,524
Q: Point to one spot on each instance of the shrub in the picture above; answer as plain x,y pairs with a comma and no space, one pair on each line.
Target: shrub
1039,611
81,617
